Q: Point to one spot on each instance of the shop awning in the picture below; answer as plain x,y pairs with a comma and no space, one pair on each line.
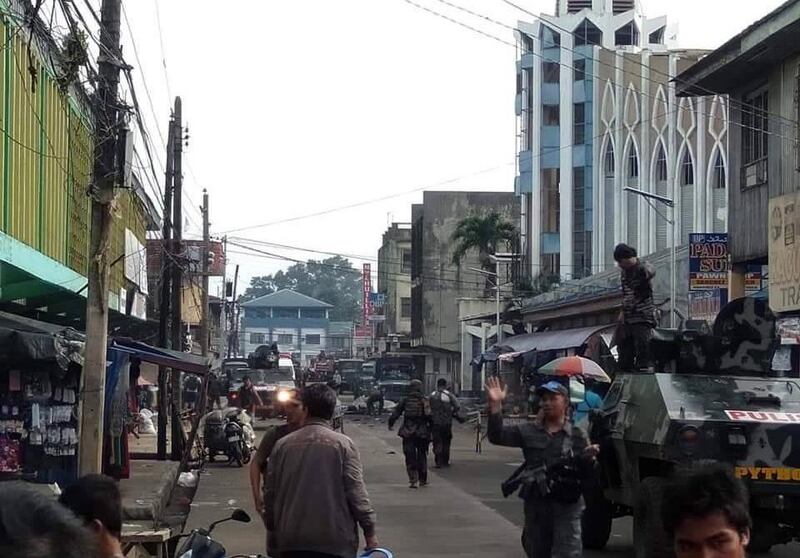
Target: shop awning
24,340
549,340
187,362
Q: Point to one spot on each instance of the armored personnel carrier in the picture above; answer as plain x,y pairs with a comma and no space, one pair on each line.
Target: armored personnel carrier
712,398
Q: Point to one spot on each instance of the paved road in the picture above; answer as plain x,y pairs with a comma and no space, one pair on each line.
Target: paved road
462,513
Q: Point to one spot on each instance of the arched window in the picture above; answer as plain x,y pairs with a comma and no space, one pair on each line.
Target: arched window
720,180
587,33
608,162
661,163
609,212
633,163
687,169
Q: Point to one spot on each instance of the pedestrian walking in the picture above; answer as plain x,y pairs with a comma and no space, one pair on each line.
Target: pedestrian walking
191,389
315,498
248,396
706,513
638,317
416,433
295,417
96,500
444,408
214,392
558,459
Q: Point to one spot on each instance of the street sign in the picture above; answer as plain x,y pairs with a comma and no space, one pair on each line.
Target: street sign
377,300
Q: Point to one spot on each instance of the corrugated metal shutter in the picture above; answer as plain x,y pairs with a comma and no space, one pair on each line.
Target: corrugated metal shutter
720,201
608,190
687,213
661,223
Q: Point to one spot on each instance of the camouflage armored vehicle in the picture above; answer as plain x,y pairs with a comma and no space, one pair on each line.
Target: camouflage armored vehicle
712,399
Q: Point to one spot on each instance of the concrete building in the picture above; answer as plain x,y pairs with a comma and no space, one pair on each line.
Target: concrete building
759,69
394,283
597,112
438,284
296,322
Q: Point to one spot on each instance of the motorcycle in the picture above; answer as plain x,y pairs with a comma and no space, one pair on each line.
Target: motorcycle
199,544
229,432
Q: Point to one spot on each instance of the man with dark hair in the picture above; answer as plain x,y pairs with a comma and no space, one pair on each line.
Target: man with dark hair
705,513
638,316
248,396
33,524
295,417
315,498
96,500
444,407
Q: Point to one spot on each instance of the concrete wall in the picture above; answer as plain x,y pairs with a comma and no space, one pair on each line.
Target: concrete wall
393,281
437,282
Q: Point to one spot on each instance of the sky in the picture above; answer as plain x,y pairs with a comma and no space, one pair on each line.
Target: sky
297,107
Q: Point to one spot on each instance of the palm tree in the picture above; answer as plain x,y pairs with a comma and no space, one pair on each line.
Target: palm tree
482,233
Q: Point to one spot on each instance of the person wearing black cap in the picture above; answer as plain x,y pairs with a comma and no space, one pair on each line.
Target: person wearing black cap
558,457
637,319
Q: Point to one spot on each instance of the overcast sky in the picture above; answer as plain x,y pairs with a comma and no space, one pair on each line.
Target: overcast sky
301,106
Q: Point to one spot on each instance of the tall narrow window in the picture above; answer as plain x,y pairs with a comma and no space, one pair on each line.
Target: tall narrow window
755,139
609,213
660,173
608,161
719,194
661,164
633,163
550,72
580,69
687,169
720,181
579,123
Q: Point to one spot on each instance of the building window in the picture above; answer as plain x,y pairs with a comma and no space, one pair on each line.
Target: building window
720,181
285,338
608,161
574,6
687,169
755,138
284,312
580,69
579,131
551,204
527,43
657,36
550,115
622,6
633,163
312,339
587,33
256,338
437,364
627,35
550,39
661,164
406,261
313,313
550,72
405,307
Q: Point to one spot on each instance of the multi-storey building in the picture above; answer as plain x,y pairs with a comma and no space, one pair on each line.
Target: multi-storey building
394,282
597,112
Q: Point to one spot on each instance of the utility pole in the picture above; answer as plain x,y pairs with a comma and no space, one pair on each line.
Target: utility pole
204,297
177,273
234,339
90,448
164,299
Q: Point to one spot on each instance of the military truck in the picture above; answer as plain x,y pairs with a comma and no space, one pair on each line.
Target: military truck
712,399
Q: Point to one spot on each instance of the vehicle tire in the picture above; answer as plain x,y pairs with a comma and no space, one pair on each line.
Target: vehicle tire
246,455
596,521
237,455
649,538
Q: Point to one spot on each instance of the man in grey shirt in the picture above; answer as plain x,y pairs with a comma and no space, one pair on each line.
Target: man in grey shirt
315,494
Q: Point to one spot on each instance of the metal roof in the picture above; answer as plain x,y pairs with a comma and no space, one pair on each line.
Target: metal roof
286,299
553,340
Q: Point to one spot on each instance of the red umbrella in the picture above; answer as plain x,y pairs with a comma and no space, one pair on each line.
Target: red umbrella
575,366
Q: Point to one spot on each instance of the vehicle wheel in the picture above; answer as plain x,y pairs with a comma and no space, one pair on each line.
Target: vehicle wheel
596,521
237,455
649,538
246,454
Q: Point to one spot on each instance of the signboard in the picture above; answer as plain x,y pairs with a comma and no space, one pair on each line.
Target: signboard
708,275
784,253
366,292
755,279
377,300
706,304
763,417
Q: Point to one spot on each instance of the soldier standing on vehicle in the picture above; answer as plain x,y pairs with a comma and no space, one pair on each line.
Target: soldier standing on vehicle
295,418
444,407
552,493
416,433
638,317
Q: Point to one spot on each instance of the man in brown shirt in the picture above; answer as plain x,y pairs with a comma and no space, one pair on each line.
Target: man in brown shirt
315,494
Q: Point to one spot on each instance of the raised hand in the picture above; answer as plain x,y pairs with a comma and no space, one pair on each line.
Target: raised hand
496,393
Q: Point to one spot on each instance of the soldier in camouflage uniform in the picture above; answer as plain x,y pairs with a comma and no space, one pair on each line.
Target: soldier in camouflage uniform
444,407
638,317
552,524
416,432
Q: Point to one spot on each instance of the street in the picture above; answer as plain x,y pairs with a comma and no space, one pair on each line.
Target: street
461,513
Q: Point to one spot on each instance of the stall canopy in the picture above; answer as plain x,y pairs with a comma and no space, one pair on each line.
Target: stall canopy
544,341
24,340
187,362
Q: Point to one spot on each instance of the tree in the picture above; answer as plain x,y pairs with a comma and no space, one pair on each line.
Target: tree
333,280
482,233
